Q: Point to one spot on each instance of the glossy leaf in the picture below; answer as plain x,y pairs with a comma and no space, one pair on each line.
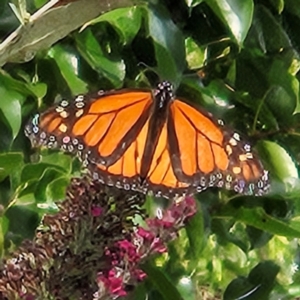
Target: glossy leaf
127,21
11,108
167,38
258,285
69,67
47,178
235,14
283,166
259,219
162,283
56,190
195,55
58,159
191,3
90,49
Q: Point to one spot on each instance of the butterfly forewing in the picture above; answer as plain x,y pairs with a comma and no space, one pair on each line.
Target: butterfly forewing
88,127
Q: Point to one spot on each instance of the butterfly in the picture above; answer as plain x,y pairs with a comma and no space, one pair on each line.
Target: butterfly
149,141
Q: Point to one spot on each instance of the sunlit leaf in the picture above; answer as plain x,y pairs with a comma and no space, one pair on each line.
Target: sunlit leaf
237,15
47,178
56,190
68,64
88,46
126,20
281,163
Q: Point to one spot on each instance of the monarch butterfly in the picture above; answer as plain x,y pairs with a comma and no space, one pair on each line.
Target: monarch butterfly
150,141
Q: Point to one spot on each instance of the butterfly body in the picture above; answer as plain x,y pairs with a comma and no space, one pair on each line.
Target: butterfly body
150,141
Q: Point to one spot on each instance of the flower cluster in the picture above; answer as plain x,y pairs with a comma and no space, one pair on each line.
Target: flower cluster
127,255
91,248
68,250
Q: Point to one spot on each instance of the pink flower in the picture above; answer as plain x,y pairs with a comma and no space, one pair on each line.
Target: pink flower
139,274
27,297
113,283
96,211
158,246
145,234
126,255
126,248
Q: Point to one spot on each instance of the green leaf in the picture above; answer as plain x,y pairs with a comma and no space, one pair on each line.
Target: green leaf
258,285
33,171
292,6
278,5
23,221
10,163
263,276
4,223
222,230
196,234
68,64
43,31
58,159
126,21
280,163
258,218
47,178
235,14
167,39
11,108
257,237
163,284
25,194
112,68
192,3
39,89
56,190
280,102
186,287
239,288
16,85
266,33
39,3
282,96
195,55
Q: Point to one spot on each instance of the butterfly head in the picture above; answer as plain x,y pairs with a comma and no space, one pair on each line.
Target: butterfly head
164,93
165,87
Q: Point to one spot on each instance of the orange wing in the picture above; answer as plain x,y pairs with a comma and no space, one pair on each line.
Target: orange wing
149,141
192,152
161,179
99,130
205,153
